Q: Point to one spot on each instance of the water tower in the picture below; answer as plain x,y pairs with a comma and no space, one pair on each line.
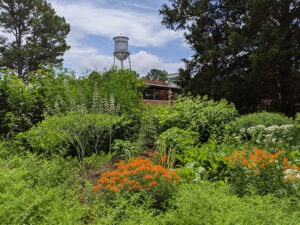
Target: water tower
121,50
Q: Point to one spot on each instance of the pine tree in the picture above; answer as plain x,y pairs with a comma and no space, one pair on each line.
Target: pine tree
245,51
32,34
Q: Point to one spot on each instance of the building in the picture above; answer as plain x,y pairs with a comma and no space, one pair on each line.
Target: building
159,92
173,78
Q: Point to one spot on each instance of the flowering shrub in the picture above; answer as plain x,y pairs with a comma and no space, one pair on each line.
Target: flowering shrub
261,171
140,175
137,174
268,135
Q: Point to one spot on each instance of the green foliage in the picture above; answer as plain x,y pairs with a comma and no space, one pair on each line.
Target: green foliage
207,117
263,118
245,51
125,87
206,161
19,104
87,134
262,173
35,190
178,139
169,154
123,210
96,161
265,129
273,135
206,204
297,126
148,132
125,149
34,34
39,191
157,75
201,204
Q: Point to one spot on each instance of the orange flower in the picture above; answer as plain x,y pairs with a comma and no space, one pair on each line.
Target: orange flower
114,188
152,154
164,158
131,173
296,167
148,176
152,183
285,161
120,163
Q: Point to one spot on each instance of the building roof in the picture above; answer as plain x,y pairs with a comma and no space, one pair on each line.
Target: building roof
161,84
173,75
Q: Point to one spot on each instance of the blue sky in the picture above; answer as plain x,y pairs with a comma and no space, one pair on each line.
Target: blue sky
95,22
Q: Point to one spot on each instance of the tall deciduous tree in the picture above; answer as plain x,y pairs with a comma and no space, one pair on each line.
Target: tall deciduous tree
157,75
245,51
32,34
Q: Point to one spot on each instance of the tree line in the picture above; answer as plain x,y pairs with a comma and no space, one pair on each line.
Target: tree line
245,51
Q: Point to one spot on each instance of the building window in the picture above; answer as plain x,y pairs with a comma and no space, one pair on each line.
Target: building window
148,94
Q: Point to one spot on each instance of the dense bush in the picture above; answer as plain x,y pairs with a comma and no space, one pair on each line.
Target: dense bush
201,204
205,161
263,173
204,204
125,149
207,117
263,118
87,134
39,191
271,135
178,139
149,131
115,91
140,175
20,104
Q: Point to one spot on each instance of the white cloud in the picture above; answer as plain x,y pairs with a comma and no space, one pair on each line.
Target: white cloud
143,62
143,29
84,59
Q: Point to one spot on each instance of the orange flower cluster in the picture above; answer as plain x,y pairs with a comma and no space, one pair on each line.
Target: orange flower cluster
137,174
254,161
259,159
291,171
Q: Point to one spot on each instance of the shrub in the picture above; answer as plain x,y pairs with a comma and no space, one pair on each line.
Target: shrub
148,132
178,139
206,162
87,134
140,175
205,203
20,104
126,88
125,149
261,172
35,190
263,118
207,117
272,135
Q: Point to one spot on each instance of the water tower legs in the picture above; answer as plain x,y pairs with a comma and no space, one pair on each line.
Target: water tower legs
129,62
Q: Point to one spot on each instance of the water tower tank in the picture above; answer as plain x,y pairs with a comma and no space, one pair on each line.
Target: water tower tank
121,47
